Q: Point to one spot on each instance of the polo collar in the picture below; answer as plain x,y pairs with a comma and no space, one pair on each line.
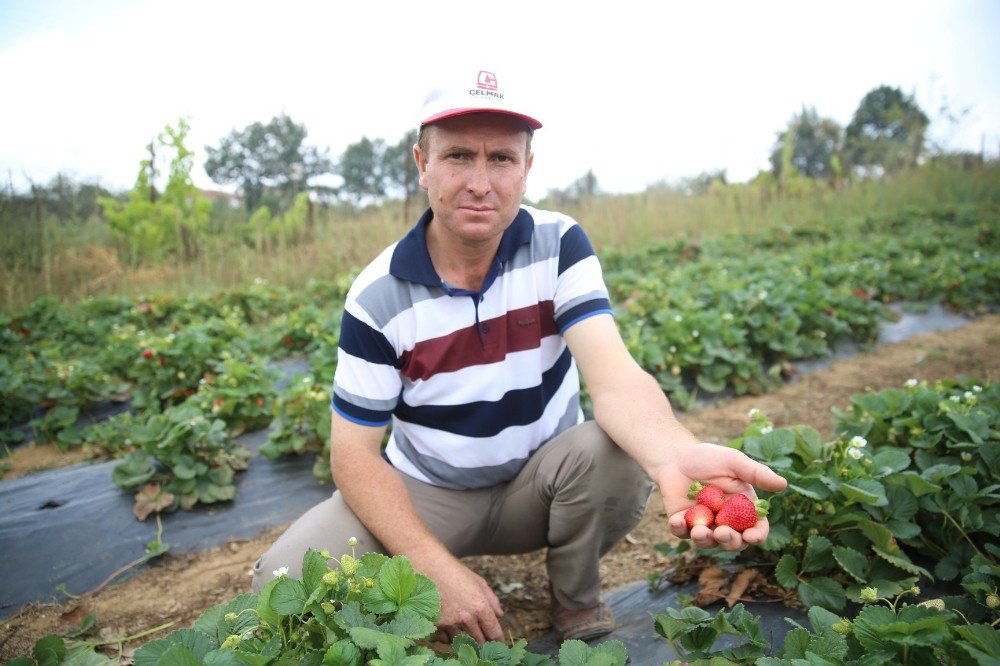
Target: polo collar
411,260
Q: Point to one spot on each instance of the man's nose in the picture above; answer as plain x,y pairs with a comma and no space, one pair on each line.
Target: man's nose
479,180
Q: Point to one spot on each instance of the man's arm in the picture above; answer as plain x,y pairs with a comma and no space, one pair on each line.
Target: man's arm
374,491
634,412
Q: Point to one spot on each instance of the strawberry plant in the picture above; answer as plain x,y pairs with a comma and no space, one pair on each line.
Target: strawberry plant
372,610
943,440
182,458
239,392
302,424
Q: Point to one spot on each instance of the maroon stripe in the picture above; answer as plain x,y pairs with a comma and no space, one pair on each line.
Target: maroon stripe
518,330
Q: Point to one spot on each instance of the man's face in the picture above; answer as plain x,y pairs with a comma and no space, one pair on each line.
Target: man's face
475,169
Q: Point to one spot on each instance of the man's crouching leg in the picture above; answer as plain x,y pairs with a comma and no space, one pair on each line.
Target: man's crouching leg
598,493
328,525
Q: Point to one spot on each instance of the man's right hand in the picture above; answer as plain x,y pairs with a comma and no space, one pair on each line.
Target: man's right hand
467,604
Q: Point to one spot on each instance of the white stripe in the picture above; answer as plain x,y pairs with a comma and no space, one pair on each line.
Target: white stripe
372,380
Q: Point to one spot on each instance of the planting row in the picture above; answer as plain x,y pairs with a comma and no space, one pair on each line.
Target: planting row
886,534
725,315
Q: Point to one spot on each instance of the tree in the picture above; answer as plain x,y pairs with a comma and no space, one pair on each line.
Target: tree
886,132
810,145
400,170
267,159
150,223
362,166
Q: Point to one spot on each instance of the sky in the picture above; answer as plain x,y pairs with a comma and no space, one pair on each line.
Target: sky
638,92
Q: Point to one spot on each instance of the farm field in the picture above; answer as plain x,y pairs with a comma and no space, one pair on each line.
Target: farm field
165,383
179,587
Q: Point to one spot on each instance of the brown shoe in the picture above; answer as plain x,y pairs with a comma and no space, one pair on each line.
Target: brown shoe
582,625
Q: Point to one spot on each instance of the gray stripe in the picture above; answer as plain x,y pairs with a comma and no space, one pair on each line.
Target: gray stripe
366,403
594,295
387,296
544,246
440,473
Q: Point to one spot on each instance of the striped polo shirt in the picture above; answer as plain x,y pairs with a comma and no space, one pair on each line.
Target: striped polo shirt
472,382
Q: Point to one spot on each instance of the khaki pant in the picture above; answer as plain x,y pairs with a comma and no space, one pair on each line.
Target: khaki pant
578,495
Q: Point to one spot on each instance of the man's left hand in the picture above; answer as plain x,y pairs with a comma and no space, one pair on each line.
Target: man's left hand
731,470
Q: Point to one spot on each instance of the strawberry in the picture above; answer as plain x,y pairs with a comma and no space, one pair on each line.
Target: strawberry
740,512
699,514
711,496
147,353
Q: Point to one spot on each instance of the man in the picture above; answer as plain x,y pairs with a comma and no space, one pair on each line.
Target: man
466,335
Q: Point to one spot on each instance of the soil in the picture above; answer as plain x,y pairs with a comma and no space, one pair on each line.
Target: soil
177,588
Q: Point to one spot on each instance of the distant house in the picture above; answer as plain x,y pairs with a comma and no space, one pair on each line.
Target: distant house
234,200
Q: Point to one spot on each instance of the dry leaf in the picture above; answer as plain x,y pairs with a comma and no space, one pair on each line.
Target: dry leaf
714,582
743,580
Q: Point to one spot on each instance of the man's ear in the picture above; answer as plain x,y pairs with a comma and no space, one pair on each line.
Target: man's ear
421,160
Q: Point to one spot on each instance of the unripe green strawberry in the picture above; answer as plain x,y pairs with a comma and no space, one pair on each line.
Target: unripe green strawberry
699,514
843,627
740,512
937,604
349,565
331,578
869,595
992,601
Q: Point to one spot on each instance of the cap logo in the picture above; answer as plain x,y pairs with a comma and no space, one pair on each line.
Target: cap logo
486,80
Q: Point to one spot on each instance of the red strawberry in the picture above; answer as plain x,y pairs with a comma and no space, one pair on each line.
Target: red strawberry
147,353
711,496
699,514
740,512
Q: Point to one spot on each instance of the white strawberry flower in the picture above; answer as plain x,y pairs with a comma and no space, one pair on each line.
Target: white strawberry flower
766,429
854,453
762,295
956,398
911,383
280,572
859,442
678,318
977,389
753,413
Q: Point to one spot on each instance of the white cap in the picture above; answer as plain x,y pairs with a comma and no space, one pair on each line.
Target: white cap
480,93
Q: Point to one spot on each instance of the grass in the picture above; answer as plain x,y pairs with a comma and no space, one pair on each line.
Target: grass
79,260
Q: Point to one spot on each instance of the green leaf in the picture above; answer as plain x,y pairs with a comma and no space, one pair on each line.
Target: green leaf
573,653
853,562
223,658
786,572
879,535
85,625
822,591
350,616
424,599
314,567
866,491
409,624
889,461
810,487
915,483
288,597
770,447
134,470
821,619
397,580
194,642
982,642
370,639
178,655
809,445
818,554
84,654
49,650
343,653
901,561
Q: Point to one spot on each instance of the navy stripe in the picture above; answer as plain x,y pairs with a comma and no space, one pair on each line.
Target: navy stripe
574,246
487,418
577,312
361,340
355,414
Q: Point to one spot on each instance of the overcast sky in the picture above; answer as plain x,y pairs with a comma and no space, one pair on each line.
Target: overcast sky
637,91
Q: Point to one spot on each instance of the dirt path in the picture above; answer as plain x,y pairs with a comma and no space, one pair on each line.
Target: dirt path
180,587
